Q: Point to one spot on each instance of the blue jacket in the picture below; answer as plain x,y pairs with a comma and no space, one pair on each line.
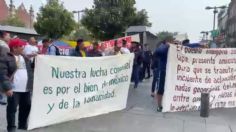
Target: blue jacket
194,45
162,53
155,60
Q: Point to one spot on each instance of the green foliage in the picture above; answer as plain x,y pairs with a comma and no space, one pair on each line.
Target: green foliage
79,32
13,21
165,35
54,20
141,18
110,18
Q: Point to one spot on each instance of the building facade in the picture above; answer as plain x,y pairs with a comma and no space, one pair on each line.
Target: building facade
231,24
26,17
145,36
222,26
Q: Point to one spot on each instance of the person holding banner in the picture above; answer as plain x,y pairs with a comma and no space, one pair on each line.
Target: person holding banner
95,51
124,49
80,50
116,48
162,53
16,79
106,51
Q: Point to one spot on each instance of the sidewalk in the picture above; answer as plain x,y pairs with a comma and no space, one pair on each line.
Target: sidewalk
141,116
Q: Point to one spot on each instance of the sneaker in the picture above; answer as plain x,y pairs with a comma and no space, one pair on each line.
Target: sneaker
159,109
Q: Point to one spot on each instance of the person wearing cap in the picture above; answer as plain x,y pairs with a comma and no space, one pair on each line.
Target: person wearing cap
16,77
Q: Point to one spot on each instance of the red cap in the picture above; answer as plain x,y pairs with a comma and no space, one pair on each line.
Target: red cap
16,43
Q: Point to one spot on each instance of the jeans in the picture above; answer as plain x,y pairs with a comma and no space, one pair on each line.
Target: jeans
146,67
24,102
136,74
155,80
161,87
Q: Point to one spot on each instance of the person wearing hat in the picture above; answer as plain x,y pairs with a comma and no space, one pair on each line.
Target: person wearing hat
16,77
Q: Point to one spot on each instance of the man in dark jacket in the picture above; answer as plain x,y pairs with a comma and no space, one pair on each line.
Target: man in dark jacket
4,49
16,77
155,65
95,51
80,50
138,60
147,56
162,53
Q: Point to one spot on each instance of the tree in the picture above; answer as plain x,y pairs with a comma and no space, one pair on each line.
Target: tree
79,32
110,18
141,18
54,20
165,35
13,21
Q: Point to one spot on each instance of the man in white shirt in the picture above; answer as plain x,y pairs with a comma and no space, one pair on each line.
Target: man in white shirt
31,49
124,49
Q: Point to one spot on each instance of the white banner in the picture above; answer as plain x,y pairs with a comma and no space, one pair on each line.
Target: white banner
193,71
70,88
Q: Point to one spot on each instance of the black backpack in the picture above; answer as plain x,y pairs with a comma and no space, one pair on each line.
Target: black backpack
57,50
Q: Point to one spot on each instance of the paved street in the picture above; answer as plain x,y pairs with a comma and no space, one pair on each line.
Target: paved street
141,116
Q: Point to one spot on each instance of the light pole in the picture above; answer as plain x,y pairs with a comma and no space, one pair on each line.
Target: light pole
78,12
215,11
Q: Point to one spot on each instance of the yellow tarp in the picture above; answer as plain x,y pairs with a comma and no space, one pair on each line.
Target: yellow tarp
74,43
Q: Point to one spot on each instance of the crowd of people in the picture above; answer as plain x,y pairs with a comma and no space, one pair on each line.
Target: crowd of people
16,79
17,59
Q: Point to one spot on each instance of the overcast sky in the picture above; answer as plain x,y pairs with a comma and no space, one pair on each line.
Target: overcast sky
183,16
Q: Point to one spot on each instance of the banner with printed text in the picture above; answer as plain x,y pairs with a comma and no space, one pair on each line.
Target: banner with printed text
192,71
70,88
